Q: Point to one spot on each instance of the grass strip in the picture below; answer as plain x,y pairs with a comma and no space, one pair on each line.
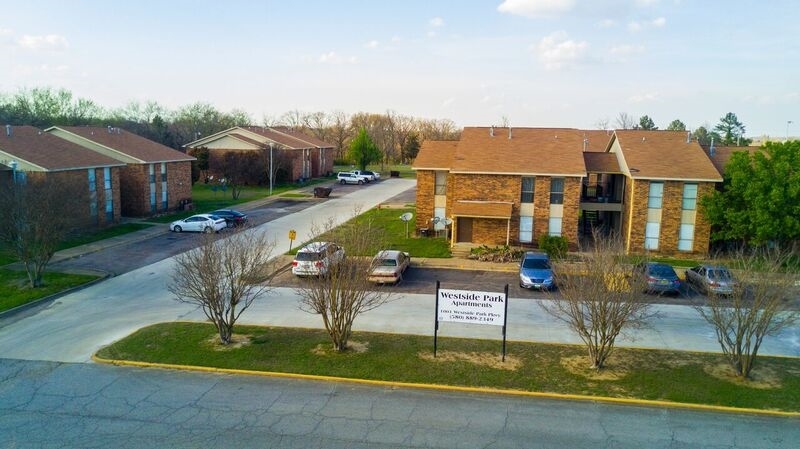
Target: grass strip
14,289
683,377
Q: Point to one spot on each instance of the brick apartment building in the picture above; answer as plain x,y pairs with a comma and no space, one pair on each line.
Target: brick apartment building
304,156
503,186
154,179
27,152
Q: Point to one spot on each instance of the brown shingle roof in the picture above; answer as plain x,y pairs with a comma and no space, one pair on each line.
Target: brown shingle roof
49,152
286,137
601,162
534,151
665,155
135,146
722,155
482,209
313,141
435,155
597,139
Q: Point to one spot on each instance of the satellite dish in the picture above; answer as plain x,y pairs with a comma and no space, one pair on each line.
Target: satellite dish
435,220
407,216
448,221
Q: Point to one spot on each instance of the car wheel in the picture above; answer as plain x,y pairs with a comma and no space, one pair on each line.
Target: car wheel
208,230
342,182
177,229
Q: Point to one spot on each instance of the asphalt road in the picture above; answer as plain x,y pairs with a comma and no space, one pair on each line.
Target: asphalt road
56,405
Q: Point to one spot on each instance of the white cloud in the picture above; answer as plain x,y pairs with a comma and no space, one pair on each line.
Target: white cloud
637,26
333,58
644,98
48,42
557,50
371,44
536,8
436,22
645,3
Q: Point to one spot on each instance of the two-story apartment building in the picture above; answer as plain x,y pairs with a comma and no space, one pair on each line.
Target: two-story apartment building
27,152
306,156
503,186
155,178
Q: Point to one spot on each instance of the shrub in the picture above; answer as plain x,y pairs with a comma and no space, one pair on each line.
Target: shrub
496,254
555,246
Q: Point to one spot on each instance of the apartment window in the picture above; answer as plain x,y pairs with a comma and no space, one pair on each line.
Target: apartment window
655,195
441,183
554,227
651,233
527,189
108,193
689,197
526,229
92,193
152,170
438,212
686,237
163,186
557,191
92,180
652,229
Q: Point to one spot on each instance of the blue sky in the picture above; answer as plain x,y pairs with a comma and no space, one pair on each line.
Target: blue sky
569,63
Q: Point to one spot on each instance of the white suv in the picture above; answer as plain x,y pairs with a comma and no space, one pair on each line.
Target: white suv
316,259
346,177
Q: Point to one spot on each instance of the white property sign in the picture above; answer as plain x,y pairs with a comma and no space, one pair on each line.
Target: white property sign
468,306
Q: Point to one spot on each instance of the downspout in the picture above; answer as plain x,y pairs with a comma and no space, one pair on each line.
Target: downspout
508,229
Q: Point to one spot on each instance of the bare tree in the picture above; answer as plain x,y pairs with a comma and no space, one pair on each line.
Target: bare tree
602,123
224,277
341,132
625,121
344,294
38,215
598,298
758,307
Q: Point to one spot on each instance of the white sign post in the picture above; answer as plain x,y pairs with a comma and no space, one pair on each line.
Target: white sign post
473,307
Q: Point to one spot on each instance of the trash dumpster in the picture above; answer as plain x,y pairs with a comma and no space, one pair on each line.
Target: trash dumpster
322,192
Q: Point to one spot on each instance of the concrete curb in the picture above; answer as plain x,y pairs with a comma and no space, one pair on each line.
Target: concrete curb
477,390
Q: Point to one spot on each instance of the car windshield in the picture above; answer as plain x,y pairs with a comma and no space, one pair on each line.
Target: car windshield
536,264
723,275
305,256
662,271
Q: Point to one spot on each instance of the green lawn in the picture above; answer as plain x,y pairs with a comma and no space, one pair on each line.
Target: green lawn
388,219
654,375
14,290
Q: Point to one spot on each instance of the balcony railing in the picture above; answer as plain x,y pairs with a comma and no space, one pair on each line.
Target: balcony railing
597,193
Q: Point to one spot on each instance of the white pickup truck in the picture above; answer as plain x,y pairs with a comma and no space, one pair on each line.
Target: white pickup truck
371,175
347,177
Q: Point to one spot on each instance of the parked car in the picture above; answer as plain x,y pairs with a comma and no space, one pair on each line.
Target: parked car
535,271
370,175
317,258
388,267
711,279
346,177
199,223
659,277
232,217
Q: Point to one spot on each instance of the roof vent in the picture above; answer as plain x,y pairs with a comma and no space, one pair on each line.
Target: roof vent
8,130
688,137
491,131
509,133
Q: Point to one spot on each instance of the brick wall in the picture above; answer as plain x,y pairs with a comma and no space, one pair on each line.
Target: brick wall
702,227
492,232
135,190
572,210
541,207
426,180
81,208
670,217
638,220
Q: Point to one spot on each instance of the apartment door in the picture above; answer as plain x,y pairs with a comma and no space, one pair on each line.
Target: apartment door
464,231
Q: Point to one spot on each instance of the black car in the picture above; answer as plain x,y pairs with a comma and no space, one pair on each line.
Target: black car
233,218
